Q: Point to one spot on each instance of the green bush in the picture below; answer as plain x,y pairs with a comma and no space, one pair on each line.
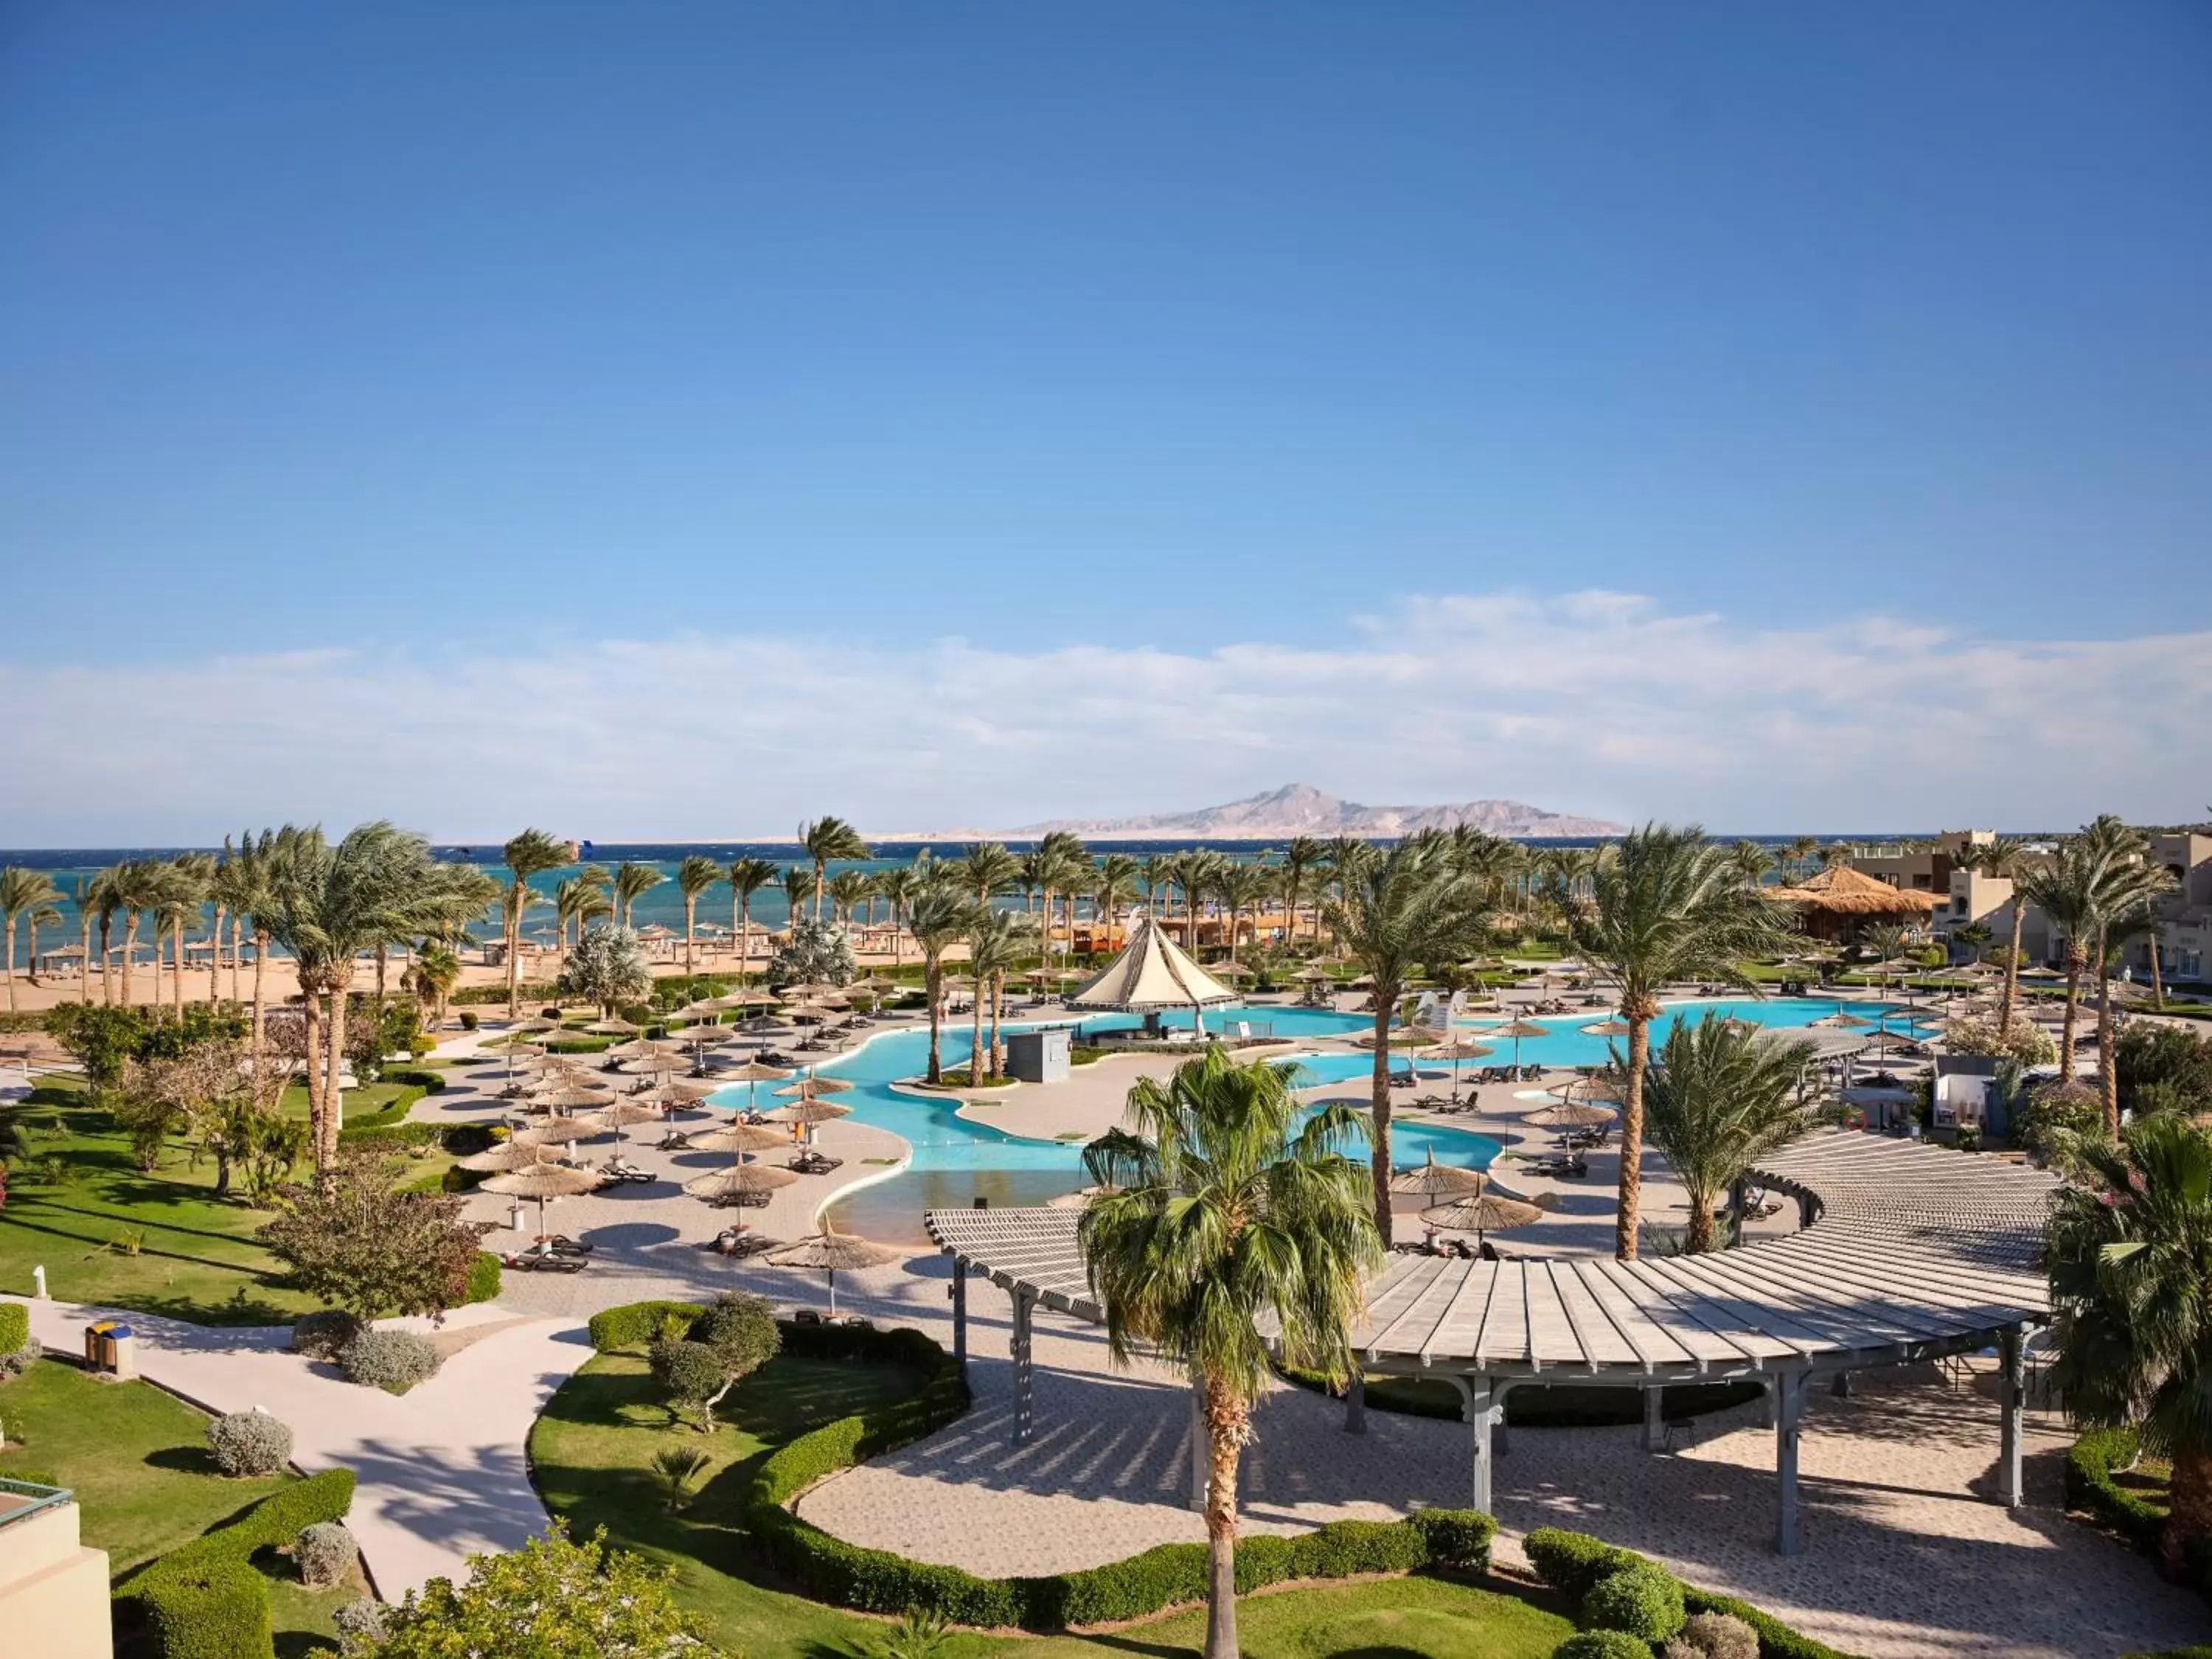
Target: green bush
14,1326
1603,1644
249,1443
325,1554
321,1334
205,1600
2091,1489
1644,1600
468,1020
484,1279
634,1324
394,1361
1571,1561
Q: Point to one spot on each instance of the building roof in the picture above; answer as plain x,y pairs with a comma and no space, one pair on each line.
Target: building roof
1152,971
1845,892
1918,1251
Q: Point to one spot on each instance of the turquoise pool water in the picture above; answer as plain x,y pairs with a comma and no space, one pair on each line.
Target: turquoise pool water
956,1161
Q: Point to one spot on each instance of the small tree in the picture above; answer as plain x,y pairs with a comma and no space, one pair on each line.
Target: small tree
608,967
551,1599
815,950
728,1343
359,1243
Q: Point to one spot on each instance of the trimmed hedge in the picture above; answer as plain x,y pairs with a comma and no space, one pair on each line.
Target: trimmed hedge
206,1600
484,1279
1603,1644
1572,1562
2091,1489
831,1570
14,1326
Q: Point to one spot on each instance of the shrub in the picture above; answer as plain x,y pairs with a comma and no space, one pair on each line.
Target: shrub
321,1334
2091,1489
634,1324
204,1600
1715,1636
17,1360
249,1444
1603,1644
14,1326
359,1623
1571,1561
394,1361
741,1329
483,1279
1644,1600
468,1020
324,1554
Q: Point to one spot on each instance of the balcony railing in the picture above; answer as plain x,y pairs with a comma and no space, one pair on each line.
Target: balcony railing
20,1499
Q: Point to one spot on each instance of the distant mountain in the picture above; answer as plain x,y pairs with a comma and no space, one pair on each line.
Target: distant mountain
1299,809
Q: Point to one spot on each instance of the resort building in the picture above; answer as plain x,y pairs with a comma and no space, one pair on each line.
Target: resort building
53,1590
1922,869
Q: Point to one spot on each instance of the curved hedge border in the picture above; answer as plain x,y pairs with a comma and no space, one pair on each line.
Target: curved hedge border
876,1581
206,1600
389,1122
2091,1489
1570,1562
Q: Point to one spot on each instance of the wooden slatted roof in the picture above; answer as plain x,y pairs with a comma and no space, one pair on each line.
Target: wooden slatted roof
1915,1249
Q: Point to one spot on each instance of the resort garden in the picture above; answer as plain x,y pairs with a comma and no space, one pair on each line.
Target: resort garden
248,1160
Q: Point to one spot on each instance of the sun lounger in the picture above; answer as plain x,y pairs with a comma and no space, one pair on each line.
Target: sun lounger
533,1261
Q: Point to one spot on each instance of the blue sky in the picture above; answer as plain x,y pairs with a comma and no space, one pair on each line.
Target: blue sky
350,348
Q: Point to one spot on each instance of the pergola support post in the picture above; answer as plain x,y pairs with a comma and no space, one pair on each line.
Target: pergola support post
1789,1397
1024,1402
1655,1417
1478,1401
960,1315
2011,1398
1355,1401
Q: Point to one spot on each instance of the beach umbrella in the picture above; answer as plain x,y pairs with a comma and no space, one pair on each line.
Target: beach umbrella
507,1157
623,1113
1571,1115
1430,1179
1483,1212
1313,975
535,1023
559,1131
738,1138
1409,1036
645,1048
739,1180
568,1098
1844,1020
612,1027
746,1000
752,1075
808,1110
1455,1049
810,990
833,1253
1588,1088
541,1182
1607,1028
1518,1029
703,1008
657,1067
811,1086
875,982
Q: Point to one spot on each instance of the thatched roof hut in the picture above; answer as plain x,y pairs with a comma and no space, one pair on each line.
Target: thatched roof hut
1840,899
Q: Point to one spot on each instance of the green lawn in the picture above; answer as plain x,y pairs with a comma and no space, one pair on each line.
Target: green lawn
137,1459
590,1455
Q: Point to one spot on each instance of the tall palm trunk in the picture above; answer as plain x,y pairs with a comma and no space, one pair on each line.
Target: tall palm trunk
2157,983
177,962
690,916
2188,1513
932,981
237,944
1379,1103
106,961
998,1011
31,950
326,1152
976,999
1228,1425
10,960
215,959
311,1000
383,963
260,957
2075,963
84,962
1638,1014
512,926
2012,962
2108,1075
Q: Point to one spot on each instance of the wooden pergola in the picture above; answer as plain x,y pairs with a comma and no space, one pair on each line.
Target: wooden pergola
1908,1251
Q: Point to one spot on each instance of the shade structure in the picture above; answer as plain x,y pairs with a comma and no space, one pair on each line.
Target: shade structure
561,1130
1482,1212
702,1007
509,1155
1517,1029
810,1086
811,988
673,1093
612,1027
875,982
1571,1115
738,1181
807,1111
1603,1087
535,1023
1607,1028
738,1138
833,1253
1313,975
656,1066
543,1182
1839,898
1430,1178
1152,972
565,1097
1456,1050
1405,1036
747,1000
647,1049
1844,1021
623,1113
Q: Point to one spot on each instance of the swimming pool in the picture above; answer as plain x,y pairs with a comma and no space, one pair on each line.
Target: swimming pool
955,1160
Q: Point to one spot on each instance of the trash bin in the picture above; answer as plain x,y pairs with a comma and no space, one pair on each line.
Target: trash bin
123,1351
100,1345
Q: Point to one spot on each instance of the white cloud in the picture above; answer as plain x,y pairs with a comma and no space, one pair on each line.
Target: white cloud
1593,702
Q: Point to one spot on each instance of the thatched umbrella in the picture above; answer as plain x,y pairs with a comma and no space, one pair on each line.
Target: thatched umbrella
541,1182
612,1027
1518,1029
509,1156
535,1023
737,1181
566,1098
622,1113
673,1094
808,1110
834,1252
747,1000
752,1075
560,1131
1607,1028
811,1086
1456,1050
1080,1198
1570,1114
1484,1213
740,1138
1430,1179
1589,1087
1843,1019
647,1049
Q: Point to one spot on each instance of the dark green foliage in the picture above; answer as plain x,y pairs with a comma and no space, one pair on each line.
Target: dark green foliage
2091,1489
101,1039
483,1279
1603,1644
1571,1561
2160,1068
320,1335
469,1020
205,1600
1644,1600
14,1326
634,1324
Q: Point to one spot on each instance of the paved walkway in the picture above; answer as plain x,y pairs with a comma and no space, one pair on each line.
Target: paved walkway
443,1469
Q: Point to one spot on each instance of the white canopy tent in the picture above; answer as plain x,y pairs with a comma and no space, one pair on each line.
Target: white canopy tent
1153,972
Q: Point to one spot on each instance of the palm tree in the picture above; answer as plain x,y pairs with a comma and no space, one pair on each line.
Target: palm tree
900,888
938,922
986,869
633,881
1342,854
2127,903
1219,1210
1301,857
799,884
25,895
1242,887
1196,871
326,904
1036,874
2006,858
848,890
1974,935
1157,873
1667,904
996,942
232,891
532,853
186,881
2067,891
1398,910
1720,1096
1800,852
746,876
581,899
2125,1249
1754,863
1888,942
138,891
1116,884
693,877
100,896
824,839
435,970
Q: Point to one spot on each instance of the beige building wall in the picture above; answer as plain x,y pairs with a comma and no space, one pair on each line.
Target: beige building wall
53,1590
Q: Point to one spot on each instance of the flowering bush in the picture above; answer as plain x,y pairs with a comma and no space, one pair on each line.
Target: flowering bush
2023,1040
